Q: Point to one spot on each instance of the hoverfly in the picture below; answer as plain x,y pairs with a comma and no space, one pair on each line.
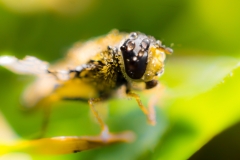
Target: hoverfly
94,70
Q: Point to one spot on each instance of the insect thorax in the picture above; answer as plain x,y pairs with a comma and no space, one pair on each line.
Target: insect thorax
106,74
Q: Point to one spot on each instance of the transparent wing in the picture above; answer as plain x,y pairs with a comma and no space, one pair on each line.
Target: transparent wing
29,65
44,84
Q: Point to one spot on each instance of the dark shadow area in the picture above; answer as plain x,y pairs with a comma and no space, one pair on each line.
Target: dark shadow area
222,147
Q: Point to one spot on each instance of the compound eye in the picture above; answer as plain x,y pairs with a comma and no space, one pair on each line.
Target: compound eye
135,55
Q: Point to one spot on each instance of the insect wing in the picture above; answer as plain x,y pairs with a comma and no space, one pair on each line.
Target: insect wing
29,65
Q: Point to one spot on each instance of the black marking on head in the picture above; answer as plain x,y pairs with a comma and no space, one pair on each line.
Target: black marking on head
135,55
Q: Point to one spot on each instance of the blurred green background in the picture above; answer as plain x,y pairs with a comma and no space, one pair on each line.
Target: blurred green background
201,77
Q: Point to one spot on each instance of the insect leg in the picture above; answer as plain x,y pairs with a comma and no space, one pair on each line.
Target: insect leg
45,122
150,112
104,128
46,106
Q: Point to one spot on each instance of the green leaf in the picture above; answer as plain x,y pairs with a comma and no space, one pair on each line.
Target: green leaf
195,120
